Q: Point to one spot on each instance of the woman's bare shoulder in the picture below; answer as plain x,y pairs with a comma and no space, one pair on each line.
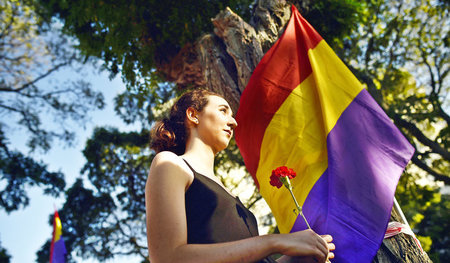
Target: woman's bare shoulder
166,156
167,163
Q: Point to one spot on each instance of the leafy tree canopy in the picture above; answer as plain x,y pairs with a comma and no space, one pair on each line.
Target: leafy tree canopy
28,57
108,219
18,171
135,37
401,53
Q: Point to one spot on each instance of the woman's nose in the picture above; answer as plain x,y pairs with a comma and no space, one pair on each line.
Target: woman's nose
232,123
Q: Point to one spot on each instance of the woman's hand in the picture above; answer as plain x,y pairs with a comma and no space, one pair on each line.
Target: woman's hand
331,246
306,245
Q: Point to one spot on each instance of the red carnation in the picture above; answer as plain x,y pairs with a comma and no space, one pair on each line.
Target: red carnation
278,173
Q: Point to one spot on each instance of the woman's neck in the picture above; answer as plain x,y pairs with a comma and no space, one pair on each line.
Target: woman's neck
201,156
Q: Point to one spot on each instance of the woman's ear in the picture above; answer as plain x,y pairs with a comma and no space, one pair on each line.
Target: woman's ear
192,115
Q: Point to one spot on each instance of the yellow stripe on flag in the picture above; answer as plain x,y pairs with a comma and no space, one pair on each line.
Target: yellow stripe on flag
58,229
336,85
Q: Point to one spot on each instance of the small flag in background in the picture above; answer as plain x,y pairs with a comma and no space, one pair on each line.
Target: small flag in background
58,249
304,109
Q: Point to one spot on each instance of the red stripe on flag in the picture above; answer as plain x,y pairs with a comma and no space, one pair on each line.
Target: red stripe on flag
271,83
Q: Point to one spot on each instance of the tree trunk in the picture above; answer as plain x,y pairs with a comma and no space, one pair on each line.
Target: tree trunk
224,61
400,248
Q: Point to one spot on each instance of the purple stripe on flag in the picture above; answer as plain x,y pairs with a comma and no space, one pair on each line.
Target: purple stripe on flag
59,252
353,199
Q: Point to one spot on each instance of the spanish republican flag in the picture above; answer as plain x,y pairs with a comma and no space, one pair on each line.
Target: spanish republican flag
304,109
57,249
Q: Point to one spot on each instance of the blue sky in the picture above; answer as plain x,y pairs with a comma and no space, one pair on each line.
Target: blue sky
23,232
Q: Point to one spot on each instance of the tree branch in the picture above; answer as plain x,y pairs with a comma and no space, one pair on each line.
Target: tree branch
435,147
130,239
438,107
10,108
426,168
15,59
436,85
28,84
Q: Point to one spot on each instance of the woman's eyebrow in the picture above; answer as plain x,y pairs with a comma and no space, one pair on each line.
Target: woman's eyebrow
228,108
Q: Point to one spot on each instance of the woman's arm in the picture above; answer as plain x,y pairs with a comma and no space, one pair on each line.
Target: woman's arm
167,229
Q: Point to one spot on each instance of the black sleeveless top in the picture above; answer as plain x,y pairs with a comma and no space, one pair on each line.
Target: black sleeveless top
214,216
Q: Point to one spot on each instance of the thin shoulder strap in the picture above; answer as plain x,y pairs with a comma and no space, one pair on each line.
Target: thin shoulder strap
190,167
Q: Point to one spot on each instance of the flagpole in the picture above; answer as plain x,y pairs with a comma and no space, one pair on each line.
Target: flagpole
400,212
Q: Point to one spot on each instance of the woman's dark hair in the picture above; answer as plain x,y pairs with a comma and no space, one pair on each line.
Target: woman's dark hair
170,134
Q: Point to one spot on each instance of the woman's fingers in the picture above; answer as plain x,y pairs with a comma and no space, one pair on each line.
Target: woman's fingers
328,246
327,238
331,246
324,248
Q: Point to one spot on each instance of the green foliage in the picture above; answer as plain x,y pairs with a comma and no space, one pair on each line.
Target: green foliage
427,211
81,230
107,218
415,198
29,56
18,172
399,53
135,36
437,225
140,103
230,158
4,256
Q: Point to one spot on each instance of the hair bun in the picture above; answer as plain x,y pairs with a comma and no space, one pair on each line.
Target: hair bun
163,136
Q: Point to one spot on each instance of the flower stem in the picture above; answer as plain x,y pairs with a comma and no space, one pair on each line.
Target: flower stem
299,208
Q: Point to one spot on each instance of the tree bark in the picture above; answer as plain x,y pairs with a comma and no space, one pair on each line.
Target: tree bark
400,248
224,61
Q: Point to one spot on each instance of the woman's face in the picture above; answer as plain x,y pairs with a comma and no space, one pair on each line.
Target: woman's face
216,123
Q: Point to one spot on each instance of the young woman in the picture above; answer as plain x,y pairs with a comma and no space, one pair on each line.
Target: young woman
191,217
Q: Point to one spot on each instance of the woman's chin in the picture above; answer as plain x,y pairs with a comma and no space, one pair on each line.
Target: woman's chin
221,148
